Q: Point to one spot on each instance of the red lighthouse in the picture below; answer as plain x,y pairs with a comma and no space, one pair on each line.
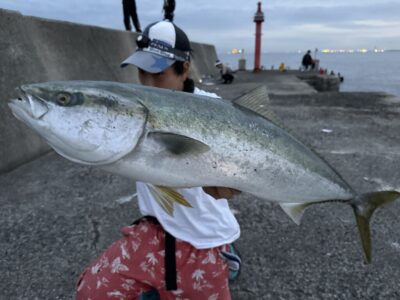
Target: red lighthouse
258,19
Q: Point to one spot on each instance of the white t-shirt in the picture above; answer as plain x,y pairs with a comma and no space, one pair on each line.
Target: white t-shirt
208,223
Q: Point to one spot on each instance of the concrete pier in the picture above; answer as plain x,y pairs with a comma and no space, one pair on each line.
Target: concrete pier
56,216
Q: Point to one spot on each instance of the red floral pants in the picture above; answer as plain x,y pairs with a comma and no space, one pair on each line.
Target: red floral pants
134,265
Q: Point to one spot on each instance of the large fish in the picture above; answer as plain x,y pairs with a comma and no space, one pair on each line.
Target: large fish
174,139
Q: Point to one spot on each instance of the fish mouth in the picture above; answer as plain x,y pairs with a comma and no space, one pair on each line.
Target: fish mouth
28,107
31,110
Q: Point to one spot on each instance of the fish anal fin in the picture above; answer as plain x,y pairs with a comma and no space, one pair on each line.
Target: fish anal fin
294,210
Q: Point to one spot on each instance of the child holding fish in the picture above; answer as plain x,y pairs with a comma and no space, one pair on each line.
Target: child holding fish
174,251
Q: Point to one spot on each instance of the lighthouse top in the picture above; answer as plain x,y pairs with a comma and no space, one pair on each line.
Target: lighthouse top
259,16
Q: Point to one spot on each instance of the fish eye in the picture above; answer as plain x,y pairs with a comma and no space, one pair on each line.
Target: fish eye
63,99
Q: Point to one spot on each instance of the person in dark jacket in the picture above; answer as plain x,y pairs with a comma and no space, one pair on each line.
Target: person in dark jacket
308,61
129,7
225,71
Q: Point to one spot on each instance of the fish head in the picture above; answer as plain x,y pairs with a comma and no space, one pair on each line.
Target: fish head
82,122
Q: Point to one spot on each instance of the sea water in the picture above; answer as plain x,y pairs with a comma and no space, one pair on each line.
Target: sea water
361,71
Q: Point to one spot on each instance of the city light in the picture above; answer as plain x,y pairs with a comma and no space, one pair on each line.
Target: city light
360,50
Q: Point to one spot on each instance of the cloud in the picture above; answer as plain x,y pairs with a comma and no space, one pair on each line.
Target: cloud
289,24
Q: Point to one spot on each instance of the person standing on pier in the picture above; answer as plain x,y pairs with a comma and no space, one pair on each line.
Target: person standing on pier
129,8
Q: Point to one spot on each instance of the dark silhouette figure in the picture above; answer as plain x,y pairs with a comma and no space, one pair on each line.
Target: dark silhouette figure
225,71
129,7
308,61
169,7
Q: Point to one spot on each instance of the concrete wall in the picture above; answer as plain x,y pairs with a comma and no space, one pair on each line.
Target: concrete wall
37,50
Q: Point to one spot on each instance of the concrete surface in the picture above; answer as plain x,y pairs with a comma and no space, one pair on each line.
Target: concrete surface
322,83
277,83
56,216
37,50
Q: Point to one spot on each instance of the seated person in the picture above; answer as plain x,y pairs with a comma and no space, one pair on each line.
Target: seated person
225,71
307,61
282,67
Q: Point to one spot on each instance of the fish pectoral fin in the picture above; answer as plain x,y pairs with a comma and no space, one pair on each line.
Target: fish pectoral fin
294,210
178,144
166,197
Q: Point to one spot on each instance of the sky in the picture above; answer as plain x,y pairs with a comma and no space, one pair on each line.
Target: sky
290,25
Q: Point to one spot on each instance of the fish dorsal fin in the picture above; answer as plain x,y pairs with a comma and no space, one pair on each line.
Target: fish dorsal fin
257,100
178,144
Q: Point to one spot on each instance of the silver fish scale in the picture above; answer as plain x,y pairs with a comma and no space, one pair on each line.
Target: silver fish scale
247,151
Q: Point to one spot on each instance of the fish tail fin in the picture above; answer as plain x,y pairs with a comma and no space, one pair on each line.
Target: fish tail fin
166,197
364,206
